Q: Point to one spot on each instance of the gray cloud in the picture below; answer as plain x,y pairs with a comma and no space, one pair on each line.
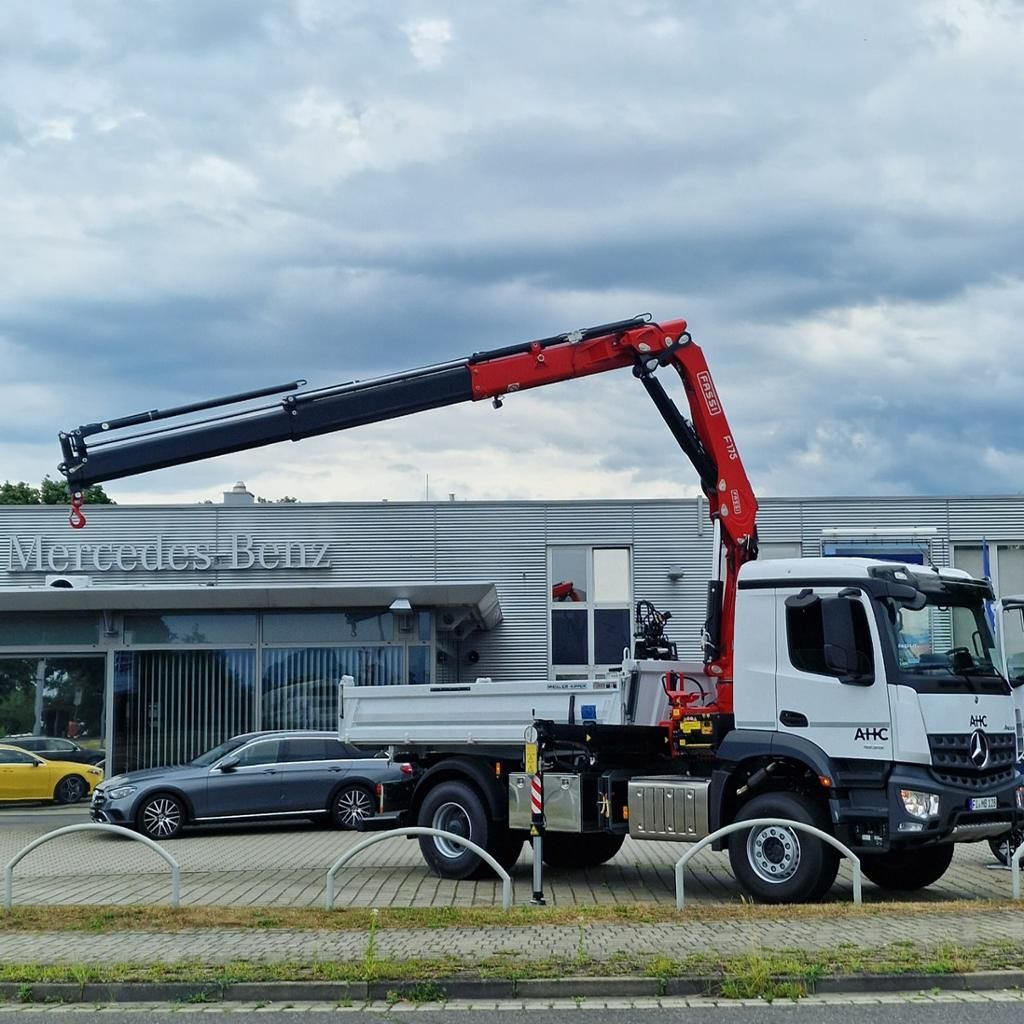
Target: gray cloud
201,198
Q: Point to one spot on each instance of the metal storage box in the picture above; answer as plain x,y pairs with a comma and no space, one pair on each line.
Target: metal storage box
668,807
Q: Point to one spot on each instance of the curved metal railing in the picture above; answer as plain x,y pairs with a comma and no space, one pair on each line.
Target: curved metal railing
91,827
418,830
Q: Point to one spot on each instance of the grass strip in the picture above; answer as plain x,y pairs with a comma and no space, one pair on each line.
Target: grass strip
102,918
750,969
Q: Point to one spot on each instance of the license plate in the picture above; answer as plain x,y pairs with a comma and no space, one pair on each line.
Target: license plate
983,803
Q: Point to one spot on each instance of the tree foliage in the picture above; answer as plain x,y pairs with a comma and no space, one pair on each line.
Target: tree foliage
49,492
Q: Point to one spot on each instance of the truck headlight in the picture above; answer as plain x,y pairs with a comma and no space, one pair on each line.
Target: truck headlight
919,804
121,791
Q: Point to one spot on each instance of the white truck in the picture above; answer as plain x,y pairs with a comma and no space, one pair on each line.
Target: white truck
820,697
844,717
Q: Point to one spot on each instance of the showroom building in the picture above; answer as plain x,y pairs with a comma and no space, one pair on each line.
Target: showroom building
158,631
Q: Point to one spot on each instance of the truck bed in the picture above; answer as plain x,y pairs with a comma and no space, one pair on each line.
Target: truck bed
471,713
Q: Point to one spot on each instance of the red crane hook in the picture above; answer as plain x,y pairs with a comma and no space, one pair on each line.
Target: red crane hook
77,517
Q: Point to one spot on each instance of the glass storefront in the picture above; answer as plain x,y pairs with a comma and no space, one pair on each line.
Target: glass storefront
184,682
170,706
60,696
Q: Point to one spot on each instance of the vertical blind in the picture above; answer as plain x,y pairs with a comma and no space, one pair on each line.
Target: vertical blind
300,684
171,706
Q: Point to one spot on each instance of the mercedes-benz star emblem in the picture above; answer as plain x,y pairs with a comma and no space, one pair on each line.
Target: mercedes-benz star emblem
979,749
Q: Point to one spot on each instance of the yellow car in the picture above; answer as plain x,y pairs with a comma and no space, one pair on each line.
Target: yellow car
24,776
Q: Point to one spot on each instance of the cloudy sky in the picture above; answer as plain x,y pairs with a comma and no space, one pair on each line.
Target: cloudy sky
204,196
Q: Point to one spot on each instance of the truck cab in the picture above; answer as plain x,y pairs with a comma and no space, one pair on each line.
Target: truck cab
885,679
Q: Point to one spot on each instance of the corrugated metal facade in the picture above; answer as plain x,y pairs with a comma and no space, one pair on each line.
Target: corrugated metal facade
501,542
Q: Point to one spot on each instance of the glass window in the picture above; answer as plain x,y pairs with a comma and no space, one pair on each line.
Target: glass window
55,744
190,628
261,752
569,574
171,705
1011,583
219,751
26,742
333,627
16,757
611,576
38,629
60,696
590,606
766,551
611,635
309,748
300,684
569,638
419,665
805,628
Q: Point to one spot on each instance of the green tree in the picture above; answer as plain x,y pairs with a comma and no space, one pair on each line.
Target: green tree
49,492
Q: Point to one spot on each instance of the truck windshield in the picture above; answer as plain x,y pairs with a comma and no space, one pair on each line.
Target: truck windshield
970,658
1013,637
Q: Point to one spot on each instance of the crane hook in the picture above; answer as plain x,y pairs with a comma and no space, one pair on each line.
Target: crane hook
77,517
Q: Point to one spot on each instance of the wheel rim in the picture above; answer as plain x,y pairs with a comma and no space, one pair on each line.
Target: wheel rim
70,790
161,817
452,818
353,806
773,853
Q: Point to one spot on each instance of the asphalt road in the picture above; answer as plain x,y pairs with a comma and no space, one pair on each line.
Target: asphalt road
946,1010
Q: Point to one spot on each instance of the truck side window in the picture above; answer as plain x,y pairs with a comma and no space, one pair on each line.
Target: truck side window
805,629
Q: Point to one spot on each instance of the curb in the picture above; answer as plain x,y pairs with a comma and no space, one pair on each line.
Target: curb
479,988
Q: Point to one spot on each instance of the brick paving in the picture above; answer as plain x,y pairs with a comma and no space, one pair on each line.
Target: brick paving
600,942
287,867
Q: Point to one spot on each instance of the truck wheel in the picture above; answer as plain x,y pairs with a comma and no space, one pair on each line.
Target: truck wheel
563,850
906,870
1004,847
455,807
782,865
506,847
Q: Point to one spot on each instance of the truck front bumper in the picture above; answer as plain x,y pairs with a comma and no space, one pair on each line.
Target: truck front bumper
961,813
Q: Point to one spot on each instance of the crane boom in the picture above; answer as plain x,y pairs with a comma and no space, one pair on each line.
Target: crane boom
637,344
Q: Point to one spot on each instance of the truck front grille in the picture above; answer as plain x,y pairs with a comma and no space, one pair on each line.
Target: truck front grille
952,751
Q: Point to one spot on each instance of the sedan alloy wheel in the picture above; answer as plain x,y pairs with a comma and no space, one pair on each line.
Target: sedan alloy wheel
351,806
161,817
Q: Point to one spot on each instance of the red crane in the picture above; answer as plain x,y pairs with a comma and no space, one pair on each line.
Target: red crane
638,344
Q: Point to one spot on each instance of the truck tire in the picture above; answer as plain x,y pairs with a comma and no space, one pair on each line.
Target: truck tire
506,846
782,865
907,870
455,807
564,850
1004,847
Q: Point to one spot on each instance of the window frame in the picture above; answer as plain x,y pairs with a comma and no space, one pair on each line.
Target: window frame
824,671
591,669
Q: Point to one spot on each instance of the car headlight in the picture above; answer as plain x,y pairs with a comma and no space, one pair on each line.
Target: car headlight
93,771
121,791
919,804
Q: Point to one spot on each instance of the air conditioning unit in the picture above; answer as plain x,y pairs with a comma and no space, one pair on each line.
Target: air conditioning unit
69,582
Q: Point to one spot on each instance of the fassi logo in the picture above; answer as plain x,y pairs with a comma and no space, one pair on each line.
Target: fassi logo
707,389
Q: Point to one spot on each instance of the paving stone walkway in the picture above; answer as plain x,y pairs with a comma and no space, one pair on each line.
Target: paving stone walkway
596,941
288,867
